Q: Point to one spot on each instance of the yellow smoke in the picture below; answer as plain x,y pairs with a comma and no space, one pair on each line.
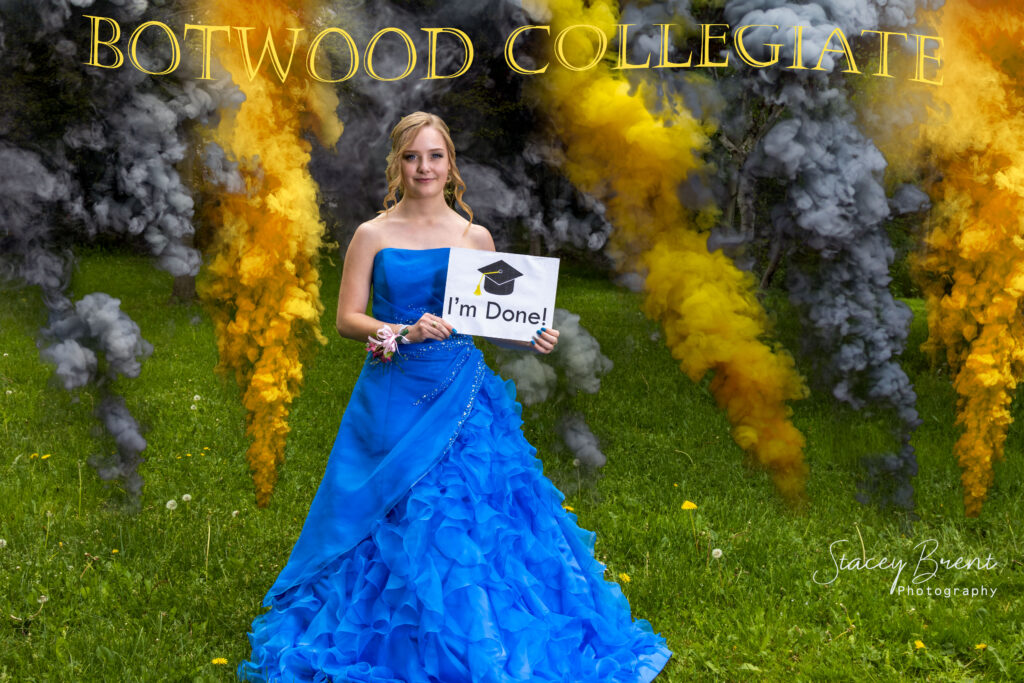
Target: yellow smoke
261,284
634,160
972,266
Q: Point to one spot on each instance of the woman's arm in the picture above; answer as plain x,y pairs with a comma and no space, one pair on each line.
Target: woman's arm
354,293
545,339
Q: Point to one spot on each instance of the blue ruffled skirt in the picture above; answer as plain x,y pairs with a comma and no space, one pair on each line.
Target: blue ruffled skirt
478,574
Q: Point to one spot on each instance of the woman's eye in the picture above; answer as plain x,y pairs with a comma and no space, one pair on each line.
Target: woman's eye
438,155
409,157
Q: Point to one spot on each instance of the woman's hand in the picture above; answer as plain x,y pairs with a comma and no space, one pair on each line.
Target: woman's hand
545,339
429,326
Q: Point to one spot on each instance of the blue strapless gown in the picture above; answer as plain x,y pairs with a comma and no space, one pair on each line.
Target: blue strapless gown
435,550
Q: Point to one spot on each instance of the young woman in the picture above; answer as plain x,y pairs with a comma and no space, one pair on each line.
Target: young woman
435,549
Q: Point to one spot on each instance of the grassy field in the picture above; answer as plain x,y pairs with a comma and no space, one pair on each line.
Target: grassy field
90,591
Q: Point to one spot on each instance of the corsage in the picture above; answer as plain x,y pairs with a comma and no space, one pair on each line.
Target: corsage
384,346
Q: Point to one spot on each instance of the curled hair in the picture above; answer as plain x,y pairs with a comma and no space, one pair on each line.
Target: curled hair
401,137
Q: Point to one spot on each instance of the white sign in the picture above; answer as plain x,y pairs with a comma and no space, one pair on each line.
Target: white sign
495,294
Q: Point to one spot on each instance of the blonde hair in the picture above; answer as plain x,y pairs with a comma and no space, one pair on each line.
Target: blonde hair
401,137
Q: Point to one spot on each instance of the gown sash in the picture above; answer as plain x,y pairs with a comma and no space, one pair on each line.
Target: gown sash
400,422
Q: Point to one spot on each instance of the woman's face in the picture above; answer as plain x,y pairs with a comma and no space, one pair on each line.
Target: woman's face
425,164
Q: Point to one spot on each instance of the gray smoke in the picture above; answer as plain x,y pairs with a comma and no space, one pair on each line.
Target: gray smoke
909,199
581,441
97,325
124,466
831,220
89,153
577,364
535,381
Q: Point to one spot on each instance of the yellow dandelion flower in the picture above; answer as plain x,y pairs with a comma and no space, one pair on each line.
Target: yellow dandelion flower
206,448
980,646
179,457
44,457
188,455
569,508
676,485
115,551
918,645
625,577
218,660
34,455
687,505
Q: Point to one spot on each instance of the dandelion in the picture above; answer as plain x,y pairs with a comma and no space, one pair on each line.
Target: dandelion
192,407
9,392
688,505
206,448
569,508
42,599
188,455
716,553
219,661
980,646
196,397
234,513
625,577
675,485
115,551
186,498
34,455
3,543
575,462
171,504
918,645
44,457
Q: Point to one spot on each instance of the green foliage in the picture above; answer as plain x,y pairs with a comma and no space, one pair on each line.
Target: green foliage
905,236
185,584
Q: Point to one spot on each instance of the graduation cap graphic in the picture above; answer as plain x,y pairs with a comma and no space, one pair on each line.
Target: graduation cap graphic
497,278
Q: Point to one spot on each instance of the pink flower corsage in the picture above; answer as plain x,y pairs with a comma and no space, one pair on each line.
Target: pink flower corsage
384,346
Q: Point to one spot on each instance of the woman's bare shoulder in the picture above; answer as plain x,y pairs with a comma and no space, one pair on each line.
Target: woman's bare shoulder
480,237
368,237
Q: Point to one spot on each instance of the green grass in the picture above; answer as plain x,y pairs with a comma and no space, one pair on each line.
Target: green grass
184,585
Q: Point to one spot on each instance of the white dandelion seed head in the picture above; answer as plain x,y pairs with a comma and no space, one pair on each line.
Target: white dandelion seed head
716,553
196,397
192,407
171,504
234,513
42,599
186,498
575,462
9,392
3,543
